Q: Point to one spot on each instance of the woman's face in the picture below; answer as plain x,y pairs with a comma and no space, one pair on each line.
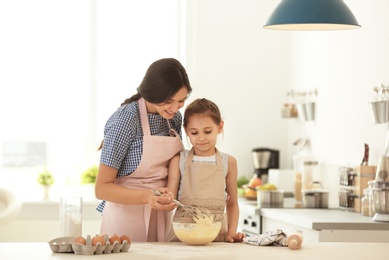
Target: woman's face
202,132
169,108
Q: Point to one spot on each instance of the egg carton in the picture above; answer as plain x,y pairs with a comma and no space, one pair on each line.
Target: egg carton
67,245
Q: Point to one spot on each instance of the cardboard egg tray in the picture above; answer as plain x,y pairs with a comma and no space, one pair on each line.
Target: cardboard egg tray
67,245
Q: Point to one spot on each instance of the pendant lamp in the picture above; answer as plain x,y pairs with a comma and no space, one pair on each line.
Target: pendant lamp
311,15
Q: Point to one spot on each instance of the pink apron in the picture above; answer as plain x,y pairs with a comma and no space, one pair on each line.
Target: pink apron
141,222
203,184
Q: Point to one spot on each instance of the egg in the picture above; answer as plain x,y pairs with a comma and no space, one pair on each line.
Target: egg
98,239
80,240
115,238
125,238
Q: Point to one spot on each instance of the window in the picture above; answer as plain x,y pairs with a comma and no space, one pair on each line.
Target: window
66,66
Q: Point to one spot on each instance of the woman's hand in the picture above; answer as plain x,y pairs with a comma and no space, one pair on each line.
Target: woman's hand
163,201
238,237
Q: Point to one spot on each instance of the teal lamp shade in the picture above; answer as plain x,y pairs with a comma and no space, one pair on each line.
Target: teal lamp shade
312,15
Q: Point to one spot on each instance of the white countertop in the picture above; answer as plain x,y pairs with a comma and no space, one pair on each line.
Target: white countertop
171,251
317,219
325,219
49,210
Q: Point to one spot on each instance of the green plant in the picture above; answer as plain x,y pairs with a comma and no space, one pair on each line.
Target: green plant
89,175
45,178
242,181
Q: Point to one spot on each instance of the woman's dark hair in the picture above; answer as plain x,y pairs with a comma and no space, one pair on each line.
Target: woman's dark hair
202,106
163,79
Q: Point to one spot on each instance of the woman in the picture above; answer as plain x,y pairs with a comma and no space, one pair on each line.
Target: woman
139,140
204,176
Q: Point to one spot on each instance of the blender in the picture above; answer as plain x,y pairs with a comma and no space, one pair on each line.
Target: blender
265,159
380,186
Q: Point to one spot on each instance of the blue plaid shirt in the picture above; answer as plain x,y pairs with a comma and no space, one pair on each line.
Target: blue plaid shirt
123,138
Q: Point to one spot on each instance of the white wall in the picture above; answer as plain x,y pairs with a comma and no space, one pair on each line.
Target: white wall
244,69
345,66
247,70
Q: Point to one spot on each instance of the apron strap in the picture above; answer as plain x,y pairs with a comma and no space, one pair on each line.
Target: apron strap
143,116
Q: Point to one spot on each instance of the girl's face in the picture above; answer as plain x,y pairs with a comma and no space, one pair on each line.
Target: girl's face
202,132
169,108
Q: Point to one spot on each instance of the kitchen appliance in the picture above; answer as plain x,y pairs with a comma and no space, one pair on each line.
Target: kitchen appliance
249,218
380,188
315,199
283,179
270,198
315,196
264,160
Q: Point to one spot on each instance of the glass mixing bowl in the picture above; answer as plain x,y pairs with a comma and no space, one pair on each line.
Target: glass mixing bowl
196,233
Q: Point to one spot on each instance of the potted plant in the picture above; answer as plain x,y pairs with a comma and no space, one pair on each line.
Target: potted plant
89,175
88,179
45,179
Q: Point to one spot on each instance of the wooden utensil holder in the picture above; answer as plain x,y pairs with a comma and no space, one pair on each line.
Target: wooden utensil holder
364,174
352,183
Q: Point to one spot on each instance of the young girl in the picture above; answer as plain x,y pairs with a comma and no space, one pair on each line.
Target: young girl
205,176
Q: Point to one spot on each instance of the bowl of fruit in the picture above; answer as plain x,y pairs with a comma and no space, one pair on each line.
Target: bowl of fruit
248,188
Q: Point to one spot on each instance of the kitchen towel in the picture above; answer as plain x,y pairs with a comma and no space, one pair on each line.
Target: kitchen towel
269,238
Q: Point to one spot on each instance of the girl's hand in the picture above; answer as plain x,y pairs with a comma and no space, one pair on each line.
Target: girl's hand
238,237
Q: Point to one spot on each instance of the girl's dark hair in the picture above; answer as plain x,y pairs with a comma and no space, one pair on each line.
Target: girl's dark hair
202,106
163,79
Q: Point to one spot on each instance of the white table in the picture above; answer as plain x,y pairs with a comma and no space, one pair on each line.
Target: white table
214,251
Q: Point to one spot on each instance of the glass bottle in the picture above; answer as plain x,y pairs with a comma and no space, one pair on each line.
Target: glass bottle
371,209
70,216
365,203
310,174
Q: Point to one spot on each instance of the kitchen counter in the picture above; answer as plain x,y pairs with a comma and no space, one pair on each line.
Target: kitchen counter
317,219
324,219
171,251
317,225
39,221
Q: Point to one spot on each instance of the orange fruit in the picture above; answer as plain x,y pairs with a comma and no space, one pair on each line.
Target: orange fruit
254,182
249,192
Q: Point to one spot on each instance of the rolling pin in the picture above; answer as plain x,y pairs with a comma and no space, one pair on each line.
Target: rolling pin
295,241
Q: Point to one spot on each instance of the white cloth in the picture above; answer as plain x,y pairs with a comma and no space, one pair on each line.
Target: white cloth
269,238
